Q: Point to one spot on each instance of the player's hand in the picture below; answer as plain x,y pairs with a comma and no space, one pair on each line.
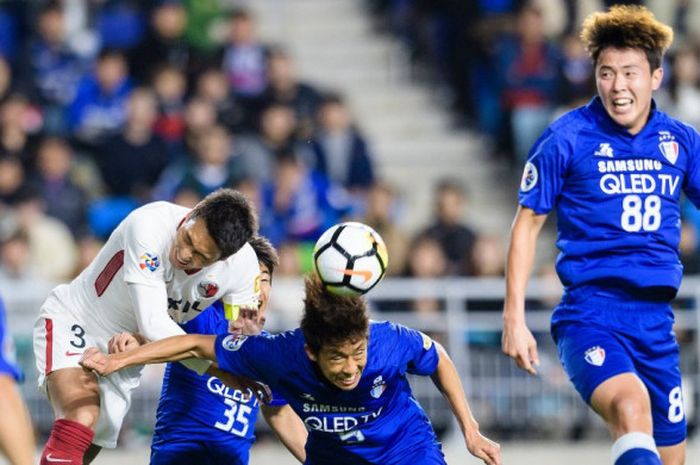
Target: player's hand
96,361
482,447
249,321
247,386
122,342
518,343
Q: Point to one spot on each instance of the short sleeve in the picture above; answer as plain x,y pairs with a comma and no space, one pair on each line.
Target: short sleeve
692,178
420,354
145,242
250,356
543,175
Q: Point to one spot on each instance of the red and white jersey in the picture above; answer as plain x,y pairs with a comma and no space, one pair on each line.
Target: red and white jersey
137,252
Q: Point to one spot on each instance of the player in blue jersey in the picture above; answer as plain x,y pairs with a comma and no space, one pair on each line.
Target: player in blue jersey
16,434
343,375
613,170
200,419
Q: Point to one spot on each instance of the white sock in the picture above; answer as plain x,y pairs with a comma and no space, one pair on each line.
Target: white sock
634,440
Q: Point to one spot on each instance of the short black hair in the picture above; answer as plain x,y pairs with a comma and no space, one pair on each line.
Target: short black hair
230,218
267,255
331,319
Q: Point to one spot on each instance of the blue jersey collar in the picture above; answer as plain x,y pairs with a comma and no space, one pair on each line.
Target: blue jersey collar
596,107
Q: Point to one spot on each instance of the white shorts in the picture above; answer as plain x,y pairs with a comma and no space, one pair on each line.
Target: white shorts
60,338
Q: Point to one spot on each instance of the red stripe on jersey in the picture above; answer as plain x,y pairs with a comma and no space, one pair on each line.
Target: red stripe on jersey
48,325
107,275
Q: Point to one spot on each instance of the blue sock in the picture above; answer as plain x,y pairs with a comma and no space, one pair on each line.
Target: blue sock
635,449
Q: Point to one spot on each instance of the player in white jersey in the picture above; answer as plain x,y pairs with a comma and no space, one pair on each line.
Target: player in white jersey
162,265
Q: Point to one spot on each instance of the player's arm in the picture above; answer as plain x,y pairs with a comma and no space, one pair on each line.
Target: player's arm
16,434
288,427
153,320
517,340
171,349
449,384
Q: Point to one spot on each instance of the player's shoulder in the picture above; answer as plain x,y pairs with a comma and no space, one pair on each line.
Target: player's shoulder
245,256
157,210
387,332
665,122
572,122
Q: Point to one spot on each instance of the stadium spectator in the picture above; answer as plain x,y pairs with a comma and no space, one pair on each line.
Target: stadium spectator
52,248
52,67
380,214
15,263
120,24
212,86
20,123
99,108
427,261
64,198
681,97
214,167
276,136
488,257
12,180
16,433
170,86
448,227
284,87
339,149
164,43
299,204
529,66
132,161
243,58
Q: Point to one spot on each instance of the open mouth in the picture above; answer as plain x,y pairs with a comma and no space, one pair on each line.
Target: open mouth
622,104
347,382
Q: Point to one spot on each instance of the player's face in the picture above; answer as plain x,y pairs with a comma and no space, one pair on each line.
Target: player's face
625,83
342,364
193,247
251,321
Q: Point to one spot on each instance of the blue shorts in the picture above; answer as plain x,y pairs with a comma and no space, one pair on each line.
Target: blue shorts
188,452
601,337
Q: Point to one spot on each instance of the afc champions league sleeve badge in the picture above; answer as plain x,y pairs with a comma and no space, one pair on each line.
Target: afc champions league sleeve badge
233,342
530,177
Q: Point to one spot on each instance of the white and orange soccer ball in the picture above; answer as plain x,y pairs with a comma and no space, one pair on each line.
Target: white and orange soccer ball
350,258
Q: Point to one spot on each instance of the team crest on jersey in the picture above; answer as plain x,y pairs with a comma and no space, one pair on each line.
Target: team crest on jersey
595,356
207,288
149,261
529,178
233,342
604,150
378,387
668,146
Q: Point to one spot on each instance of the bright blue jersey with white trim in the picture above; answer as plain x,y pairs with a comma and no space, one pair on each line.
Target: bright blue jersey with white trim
616,195
202,408
378,422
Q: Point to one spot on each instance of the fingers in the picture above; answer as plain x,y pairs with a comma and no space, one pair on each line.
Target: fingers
490,453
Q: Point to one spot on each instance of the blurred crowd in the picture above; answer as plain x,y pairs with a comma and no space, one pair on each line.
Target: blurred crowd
109,104
106,105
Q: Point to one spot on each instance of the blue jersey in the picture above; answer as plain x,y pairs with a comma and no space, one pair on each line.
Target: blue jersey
378,422
7,359
194,408
616,195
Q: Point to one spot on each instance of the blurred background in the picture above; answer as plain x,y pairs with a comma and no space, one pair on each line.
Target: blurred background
413,116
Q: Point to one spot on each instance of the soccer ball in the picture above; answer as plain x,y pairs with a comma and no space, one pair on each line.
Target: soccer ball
350,258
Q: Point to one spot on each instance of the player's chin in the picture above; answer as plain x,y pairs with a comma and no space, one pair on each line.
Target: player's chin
348,384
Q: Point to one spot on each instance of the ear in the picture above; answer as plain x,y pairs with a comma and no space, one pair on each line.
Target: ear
310,354
657,77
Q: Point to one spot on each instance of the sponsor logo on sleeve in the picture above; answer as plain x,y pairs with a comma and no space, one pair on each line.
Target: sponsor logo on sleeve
595,356
233,342
530,177
150,261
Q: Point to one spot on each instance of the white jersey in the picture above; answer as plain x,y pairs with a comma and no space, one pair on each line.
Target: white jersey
137,252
